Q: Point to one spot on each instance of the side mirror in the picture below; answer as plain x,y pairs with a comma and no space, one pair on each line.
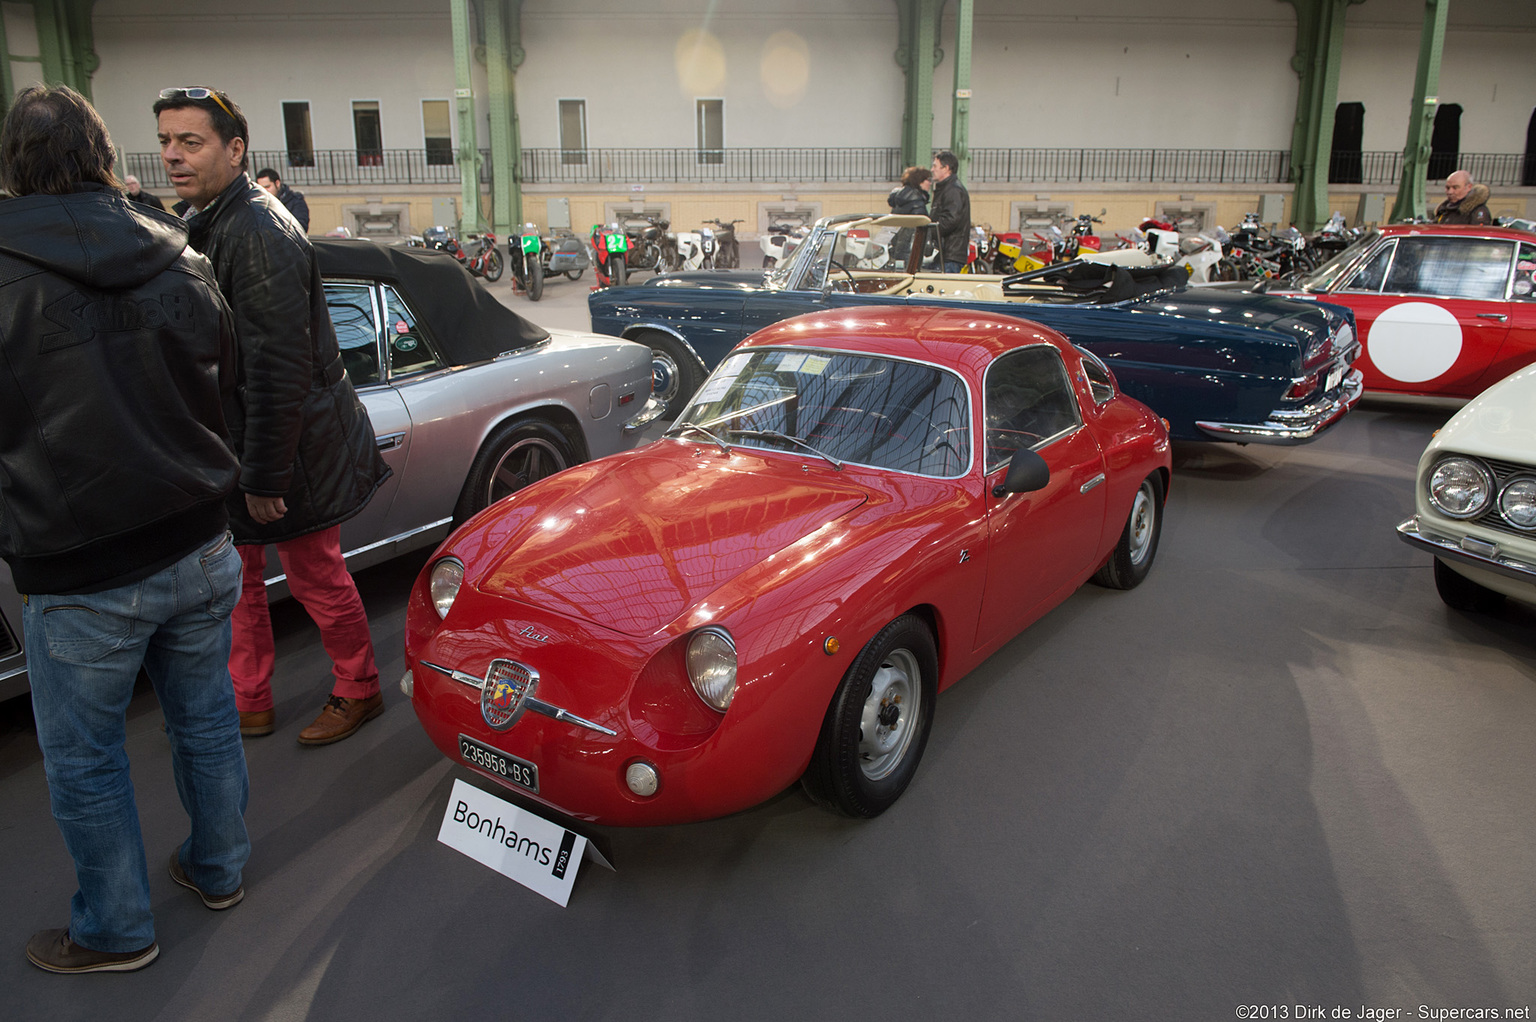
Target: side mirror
1027,472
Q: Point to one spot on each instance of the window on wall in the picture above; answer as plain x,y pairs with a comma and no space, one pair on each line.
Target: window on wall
368,132
437,129
1445,142
573,131
711,130
1528,176
301,144
1346,166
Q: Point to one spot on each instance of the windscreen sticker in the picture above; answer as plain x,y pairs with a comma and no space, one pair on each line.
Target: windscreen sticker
1522,287
798,362
722,378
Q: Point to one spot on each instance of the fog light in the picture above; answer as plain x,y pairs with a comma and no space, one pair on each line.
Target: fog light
408,684
642,779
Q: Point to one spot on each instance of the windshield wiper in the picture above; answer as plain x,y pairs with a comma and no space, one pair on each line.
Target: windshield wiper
773,434
683,427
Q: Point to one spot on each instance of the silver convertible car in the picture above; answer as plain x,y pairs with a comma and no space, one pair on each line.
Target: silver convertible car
469,401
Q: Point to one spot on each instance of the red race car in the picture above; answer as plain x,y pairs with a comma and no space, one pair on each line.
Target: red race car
856,509
1442,310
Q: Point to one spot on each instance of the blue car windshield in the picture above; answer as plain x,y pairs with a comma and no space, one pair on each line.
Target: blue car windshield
860,409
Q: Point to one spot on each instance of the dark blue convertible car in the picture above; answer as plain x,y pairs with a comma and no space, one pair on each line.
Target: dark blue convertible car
1218,365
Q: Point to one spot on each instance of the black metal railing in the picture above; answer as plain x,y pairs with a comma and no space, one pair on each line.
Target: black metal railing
621,167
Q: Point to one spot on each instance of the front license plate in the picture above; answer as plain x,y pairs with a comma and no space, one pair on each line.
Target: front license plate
509,768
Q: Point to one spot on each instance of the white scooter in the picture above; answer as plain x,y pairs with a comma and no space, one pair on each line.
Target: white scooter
695,250
781,240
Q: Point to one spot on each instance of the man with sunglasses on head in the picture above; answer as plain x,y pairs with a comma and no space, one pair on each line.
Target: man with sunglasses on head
308,459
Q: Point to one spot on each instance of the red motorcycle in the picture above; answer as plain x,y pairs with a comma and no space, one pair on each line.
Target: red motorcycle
483,261
609,245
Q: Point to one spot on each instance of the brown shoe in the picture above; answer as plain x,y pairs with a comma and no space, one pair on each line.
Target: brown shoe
54,951
258,722
340,717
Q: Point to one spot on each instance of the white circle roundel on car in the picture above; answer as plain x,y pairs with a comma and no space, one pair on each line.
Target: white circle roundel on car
1414,341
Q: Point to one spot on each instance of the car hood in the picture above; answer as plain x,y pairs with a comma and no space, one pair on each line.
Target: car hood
1499,423
632,541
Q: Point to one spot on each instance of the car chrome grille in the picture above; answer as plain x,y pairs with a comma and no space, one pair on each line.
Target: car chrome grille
1503,471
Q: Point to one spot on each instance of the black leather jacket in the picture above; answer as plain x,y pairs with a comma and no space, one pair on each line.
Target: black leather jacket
906,199
951,210
300,430
116,362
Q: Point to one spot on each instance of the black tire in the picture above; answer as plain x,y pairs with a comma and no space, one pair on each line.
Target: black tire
873,737
675,371
493,265
535,280
616,269
1133,555
1461,593
517,453
576,274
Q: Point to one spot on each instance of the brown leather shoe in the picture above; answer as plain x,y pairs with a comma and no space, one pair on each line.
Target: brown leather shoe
340,717
258,722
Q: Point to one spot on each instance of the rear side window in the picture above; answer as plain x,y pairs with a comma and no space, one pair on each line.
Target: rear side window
357,331
1029,402
409,349
1451,267
1525,273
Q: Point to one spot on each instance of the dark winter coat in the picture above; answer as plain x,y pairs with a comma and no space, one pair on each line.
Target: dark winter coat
294,202
952,212
116,366
300,430
1471,210
906,199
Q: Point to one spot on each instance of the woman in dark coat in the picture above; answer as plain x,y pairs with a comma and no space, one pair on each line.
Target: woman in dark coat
911,196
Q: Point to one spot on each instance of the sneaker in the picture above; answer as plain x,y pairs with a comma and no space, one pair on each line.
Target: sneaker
340,718
54,951
257,722
213,901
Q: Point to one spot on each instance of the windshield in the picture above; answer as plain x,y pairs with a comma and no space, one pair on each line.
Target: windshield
1327,276
875,247
882,412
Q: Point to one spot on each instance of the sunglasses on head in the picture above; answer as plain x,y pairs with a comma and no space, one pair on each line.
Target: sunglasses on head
197,92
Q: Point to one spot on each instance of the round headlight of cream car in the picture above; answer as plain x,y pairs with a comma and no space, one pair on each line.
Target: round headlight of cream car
1460,487
1518,502
712,666
446,578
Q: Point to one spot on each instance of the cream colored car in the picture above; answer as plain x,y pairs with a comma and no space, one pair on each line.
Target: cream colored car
1476,499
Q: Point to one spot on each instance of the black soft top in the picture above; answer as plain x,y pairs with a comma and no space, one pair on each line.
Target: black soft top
467,323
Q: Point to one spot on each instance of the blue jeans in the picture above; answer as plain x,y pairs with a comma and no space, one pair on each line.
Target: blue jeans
83,655
951,267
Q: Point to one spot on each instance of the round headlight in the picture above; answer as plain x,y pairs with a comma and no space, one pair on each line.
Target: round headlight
1518,502
712,666
447,576
1460,487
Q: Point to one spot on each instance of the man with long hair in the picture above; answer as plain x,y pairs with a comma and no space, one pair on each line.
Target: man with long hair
115,463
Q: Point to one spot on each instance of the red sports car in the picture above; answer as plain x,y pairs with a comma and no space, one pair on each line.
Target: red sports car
857,508
1442,310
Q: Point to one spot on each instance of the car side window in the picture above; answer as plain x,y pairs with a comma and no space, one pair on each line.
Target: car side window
1098,377
409,350
1451,267
1029,401
357,331
1525,273
1370,276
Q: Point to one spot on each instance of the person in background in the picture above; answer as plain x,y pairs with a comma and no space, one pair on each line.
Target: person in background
136,192
1466,201
951,210
911,196
115,466
308,459
292,201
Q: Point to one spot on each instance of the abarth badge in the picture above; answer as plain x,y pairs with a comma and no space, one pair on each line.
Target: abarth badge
507,685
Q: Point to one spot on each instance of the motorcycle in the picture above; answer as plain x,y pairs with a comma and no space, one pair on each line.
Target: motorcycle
865,251
527,261
484,261
609,246
781,240
727,252
694,250
563,252
647,243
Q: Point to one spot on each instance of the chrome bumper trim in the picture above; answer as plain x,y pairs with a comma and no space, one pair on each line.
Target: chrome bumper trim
1293,425
646,415
1415,535
536,705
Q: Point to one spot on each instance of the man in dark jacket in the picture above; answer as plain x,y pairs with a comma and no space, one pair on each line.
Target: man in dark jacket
114,469
951,210
292,201
1466,201
308,458
136,193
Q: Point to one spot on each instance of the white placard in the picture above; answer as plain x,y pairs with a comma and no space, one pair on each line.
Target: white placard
540,855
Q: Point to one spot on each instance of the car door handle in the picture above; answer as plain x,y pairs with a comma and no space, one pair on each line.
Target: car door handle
1090,484
1493,315
390,441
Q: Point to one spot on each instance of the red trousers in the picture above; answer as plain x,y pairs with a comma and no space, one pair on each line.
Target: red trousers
319,580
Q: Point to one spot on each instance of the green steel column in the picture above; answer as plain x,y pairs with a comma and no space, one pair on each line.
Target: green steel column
503,55
1421,115
960,121
52,40
917,54
82,40
7,81
464,96
1319,51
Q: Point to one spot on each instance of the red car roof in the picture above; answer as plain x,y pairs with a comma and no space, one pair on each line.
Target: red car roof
1464,230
